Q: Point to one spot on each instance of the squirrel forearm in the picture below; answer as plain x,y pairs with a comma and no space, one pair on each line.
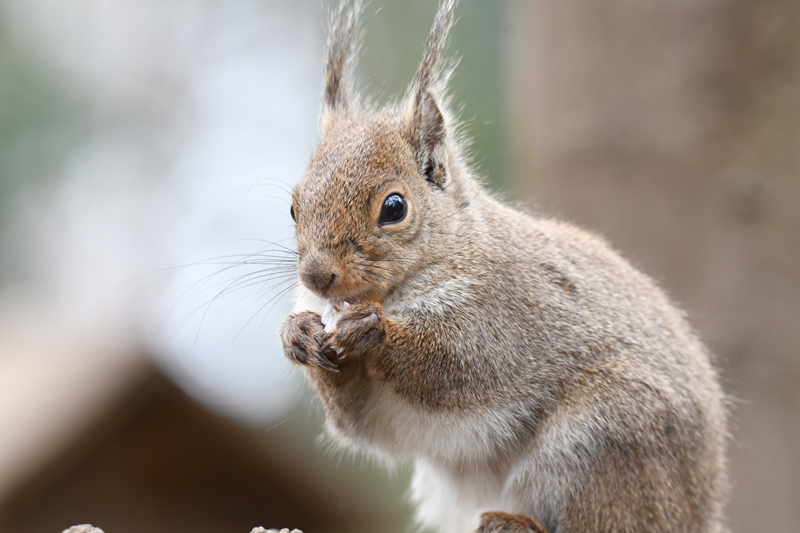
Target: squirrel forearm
416,362
424,365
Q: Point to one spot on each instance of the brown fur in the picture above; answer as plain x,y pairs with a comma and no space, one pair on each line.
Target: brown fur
468,309
498,522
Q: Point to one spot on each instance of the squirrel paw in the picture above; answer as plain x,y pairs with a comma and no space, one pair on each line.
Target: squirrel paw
301,336
360,328
499,522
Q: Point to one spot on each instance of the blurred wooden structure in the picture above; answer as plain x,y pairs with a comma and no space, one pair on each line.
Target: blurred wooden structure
112,442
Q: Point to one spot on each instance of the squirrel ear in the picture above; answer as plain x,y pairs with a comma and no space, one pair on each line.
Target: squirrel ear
427,133
342,52
425,124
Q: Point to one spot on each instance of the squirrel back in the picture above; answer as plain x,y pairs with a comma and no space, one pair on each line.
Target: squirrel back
531,373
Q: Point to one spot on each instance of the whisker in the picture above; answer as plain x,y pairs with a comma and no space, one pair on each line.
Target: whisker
278,271
251,280
398,260
204,280
275,183
210,302
375,275
271,243
169,271
374,285
264,289
194,289
381,268
275,299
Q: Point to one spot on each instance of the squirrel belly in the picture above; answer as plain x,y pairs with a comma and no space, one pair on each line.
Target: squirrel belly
537,380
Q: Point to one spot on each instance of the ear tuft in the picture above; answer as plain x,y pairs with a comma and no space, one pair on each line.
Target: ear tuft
426,124
344,38
429,136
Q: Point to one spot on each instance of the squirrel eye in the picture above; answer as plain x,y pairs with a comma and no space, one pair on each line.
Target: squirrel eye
393,210
291,212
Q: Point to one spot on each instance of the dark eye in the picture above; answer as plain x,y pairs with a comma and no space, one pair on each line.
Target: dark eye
291,212
393,210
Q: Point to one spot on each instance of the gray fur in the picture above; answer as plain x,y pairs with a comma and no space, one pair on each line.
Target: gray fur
531,373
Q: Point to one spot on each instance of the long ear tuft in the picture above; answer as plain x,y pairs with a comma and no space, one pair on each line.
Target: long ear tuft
426,125
344,37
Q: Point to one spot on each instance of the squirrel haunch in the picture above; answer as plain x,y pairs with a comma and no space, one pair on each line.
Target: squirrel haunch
526,368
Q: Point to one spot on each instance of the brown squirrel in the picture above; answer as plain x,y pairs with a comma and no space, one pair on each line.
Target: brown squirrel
537,380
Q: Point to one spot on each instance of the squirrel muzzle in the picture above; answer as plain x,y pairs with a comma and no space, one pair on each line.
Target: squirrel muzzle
319,273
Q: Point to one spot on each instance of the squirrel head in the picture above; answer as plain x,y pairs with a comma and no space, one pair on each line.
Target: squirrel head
373,205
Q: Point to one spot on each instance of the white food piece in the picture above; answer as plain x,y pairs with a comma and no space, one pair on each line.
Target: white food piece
329,316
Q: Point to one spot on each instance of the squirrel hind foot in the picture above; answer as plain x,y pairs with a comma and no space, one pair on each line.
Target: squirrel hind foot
500,522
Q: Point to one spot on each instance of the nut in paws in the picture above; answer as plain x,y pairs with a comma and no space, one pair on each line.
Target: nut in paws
360,329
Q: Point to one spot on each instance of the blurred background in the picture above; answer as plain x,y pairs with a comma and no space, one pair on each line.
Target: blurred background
147,153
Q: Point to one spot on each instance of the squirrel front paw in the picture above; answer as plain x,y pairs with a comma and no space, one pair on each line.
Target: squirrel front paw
360,329
302,336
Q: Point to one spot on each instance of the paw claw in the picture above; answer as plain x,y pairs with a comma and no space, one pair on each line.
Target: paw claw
325,364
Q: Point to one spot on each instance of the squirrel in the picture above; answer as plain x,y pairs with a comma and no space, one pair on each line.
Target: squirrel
538,381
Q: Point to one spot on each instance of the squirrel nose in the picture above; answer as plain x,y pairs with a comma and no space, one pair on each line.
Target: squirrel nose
316,274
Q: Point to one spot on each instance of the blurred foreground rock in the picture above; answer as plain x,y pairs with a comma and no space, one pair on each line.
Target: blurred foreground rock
88,528
83,528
